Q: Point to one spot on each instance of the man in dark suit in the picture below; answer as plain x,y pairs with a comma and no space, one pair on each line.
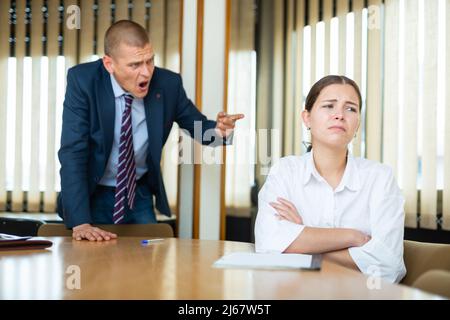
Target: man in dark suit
118,113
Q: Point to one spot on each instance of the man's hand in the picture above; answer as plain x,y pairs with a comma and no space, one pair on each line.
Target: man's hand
286,211
86,231
226,123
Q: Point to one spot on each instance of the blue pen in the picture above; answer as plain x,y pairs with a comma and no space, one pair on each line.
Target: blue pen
149,241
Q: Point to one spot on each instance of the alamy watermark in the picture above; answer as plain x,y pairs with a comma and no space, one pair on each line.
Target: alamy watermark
374,279
374,17
249,147
73,281
73,20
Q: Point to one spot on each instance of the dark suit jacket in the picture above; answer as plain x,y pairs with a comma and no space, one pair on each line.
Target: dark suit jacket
88,131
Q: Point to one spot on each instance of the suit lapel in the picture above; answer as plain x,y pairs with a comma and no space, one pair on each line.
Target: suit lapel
106,109
154,103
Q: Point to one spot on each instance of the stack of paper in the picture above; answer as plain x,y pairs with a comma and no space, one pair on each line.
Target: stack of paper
269,261
11,242
11,237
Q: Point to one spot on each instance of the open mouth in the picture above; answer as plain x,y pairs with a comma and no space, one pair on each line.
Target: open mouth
143,84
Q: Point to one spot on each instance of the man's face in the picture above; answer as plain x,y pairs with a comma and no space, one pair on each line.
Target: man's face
132,67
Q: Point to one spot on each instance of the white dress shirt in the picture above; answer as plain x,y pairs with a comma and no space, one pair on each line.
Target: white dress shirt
140,136
367,199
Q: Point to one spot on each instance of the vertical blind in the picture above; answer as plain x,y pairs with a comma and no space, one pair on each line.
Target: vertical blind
446,117
36,50
322,37
241,99
4,54
415,106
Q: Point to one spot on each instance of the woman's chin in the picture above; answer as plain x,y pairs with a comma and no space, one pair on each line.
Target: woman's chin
338,144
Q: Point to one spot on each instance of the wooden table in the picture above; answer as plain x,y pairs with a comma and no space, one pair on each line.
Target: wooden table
172,269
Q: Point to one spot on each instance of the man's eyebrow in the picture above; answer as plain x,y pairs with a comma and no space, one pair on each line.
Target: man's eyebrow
141,61
134,62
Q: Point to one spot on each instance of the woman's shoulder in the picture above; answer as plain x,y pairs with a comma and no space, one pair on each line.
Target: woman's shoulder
372,167
378,176
293,161
289,164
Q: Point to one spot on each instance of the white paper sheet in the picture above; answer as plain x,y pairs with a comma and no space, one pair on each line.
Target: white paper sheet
269,261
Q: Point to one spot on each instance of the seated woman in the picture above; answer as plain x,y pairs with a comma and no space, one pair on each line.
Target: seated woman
327,202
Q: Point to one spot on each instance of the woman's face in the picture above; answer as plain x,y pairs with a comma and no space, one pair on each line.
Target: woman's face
334,117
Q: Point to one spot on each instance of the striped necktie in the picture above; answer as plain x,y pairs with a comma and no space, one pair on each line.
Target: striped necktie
126,171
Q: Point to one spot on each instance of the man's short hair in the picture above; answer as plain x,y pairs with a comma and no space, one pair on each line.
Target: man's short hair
125,31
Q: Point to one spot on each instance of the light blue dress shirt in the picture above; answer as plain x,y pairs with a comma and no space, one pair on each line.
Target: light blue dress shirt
140,136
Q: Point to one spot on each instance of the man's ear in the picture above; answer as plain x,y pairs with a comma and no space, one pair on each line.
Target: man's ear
108,64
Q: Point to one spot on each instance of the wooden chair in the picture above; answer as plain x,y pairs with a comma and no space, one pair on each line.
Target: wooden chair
19,226
124,230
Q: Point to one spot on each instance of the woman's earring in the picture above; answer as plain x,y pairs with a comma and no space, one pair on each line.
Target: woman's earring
355,136
308,129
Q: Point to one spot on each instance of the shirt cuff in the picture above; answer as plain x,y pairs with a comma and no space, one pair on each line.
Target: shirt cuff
374,259
285,233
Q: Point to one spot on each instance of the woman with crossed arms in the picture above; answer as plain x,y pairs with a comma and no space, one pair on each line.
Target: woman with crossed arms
328,202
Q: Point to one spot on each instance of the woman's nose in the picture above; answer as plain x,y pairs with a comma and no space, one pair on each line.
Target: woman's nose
338,116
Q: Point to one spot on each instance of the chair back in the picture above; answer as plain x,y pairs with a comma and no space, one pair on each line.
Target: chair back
421,257
434,281
19,226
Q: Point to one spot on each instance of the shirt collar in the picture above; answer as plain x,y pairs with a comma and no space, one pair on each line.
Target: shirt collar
117,89
350,179
311,170
351,176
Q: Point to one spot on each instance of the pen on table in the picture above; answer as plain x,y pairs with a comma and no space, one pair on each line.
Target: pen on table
148,241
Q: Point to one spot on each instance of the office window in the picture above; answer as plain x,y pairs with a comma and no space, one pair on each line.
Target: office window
240,157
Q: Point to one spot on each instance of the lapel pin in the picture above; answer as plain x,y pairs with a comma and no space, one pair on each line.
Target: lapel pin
158,96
